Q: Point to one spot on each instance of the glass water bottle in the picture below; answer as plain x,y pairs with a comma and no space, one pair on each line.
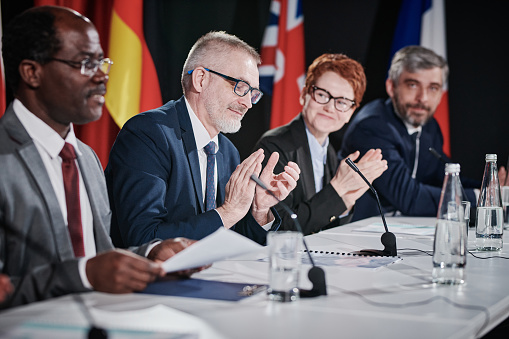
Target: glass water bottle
450,244
489,221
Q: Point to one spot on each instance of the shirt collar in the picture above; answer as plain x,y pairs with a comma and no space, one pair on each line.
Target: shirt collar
43,134
412,129
201,136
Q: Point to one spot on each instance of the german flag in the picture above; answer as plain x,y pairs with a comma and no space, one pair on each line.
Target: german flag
133,86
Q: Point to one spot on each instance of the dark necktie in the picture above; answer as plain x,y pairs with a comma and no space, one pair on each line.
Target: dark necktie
210,190
72,198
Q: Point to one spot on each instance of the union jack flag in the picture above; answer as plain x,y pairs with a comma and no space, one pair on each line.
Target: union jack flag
282,72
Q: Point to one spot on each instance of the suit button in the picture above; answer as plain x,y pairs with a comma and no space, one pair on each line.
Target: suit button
332,218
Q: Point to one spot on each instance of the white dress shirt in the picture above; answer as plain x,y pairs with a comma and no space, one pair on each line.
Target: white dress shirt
318,158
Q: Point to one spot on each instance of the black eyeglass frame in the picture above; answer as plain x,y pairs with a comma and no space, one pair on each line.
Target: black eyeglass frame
254,99
82,65
314,88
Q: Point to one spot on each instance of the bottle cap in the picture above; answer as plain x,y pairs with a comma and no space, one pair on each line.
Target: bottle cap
452,168
491,157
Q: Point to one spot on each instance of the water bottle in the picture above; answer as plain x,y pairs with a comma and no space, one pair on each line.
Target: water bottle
450,244
489,220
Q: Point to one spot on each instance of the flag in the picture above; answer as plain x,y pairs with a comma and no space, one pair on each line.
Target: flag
282,72
3,104
422,22
133,86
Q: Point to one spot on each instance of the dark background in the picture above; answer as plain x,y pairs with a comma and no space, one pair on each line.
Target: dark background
477,34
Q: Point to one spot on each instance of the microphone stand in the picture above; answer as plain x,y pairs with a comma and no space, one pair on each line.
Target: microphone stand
316,274
388,239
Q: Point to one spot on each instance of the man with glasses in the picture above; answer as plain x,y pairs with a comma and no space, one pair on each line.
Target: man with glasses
327,191
54,211
172,172
404,128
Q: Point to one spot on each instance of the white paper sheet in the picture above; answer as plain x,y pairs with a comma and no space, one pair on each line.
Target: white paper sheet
399,229
219,245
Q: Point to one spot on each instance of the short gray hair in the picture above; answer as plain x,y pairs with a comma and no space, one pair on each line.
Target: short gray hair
211,50
416,58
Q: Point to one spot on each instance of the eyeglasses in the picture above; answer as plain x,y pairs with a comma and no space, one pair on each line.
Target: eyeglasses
322,97
241,87
87,66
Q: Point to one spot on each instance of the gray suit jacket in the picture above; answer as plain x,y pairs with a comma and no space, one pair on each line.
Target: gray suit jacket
35,247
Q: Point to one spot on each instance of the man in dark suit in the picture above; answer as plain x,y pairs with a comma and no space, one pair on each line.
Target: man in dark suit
327,190
54,212
404,128
161,181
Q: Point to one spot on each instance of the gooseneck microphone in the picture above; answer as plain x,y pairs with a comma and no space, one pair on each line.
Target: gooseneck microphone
437,155
316,274
388,239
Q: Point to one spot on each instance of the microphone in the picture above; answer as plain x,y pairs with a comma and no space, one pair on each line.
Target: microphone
94,331
316,274
441,158
437,155
388,239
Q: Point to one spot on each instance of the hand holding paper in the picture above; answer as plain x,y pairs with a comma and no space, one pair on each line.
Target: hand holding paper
219,245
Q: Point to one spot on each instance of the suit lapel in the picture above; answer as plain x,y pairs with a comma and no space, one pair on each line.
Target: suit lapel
331,165
304,158
30,156
93,187
189,143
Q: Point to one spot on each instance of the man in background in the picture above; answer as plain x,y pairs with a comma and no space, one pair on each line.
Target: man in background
404,129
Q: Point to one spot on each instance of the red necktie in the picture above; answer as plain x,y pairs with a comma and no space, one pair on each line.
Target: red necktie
72,198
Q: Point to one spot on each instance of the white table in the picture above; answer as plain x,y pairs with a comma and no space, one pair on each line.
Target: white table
397,301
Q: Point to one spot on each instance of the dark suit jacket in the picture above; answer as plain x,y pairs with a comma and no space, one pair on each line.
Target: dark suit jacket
154,182
377,126
315,211
35,247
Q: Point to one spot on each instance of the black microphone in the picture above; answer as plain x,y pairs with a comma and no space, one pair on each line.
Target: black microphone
316,274
441,158
94,331
437,155
388,238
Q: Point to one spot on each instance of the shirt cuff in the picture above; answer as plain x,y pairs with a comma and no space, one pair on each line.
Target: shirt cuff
268,226
151,246
82,269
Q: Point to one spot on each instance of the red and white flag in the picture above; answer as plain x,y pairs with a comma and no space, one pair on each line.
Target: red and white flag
282,72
